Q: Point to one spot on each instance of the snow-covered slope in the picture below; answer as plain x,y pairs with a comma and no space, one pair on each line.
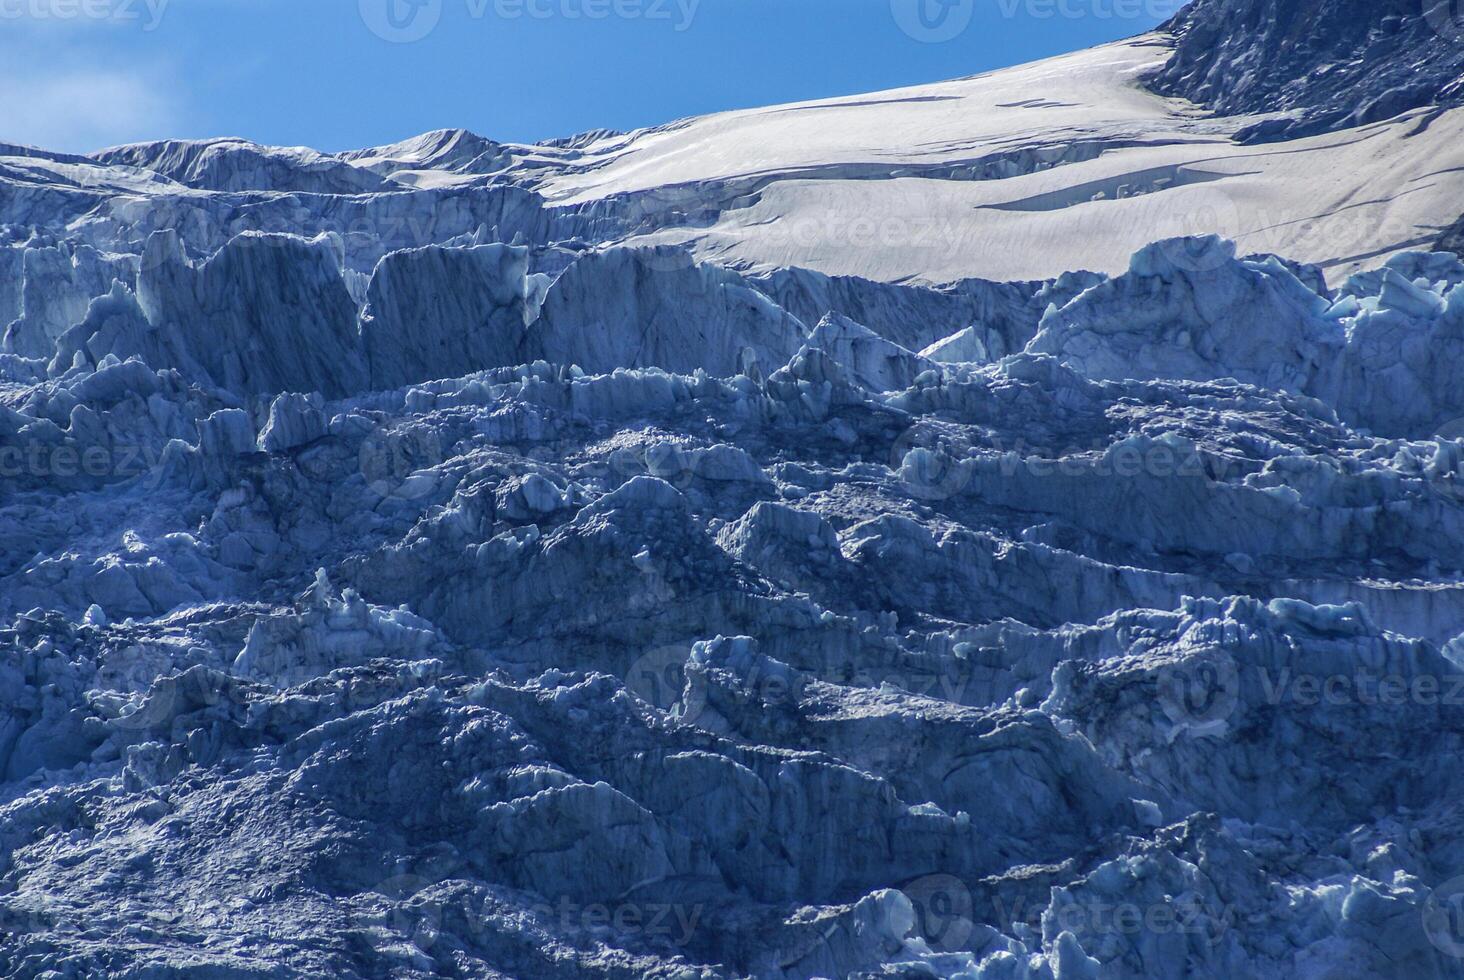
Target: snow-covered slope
1020,174
424,562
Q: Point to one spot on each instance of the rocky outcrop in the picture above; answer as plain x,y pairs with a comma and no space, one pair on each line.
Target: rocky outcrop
1328,64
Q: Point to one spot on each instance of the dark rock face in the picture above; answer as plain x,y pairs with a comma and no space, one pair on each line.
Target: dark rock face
1452,239
1334,63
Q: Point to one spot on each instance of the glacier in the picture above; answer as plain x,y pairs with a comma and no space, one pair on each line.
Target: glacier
468,559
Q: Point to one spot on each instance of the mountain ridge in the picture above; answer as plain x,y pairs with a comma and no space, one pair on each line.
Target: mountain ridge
1331,64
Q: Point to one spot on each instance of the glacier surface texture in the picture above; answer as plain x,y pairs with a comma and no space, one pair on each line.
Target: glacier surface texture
598,560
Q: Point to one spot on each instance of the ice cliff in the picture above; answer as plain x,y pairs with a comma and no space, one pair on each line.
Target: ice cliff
637,628
464,559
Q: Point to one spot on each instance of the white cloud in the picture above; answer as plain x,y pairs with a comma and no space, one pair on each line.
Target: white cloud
80,110
75,80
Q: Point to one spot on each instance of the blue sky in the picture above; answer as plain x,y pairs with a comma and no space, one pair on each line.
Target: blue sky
335,74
